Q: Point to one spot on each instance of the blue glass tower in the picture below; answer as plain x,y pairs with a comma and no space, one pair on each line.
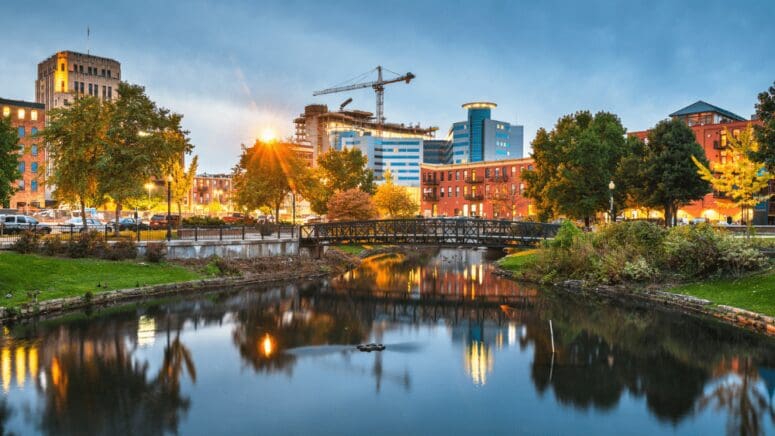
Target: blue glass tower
481,138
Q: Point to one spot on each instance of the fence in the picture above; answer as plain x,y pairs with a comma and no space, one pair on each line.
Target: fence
144,233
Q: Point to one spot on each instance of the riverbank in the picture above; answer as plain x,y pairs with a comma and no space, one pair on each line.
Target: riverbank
69,284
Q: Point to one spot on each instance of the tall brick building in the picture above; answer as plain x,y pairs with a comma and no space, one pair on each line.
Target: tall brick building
708,122
28,119
492,190
68,74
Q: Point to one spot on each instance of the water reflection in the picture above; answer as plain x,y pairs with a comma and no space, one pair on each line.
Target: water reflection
142,369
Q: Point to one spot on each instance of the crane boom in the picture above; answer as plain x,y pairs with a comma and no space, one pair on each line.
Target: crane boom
378,86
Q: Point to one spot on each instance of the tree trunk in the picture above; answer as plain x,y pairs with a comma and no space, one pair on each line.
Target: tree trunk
118,218
586,222
83,216
277,218
668,215
180,215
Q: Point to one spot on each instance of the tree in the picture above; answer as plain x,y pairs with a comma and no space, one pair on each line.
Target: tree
337,171
266,173
141,142
394,201
9,160
664,173
182,181
765,134
74,141
351,205
574,164
738,177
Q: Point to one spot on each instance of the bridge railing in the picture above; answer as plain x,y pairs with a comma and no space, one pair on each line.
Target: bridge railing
436,231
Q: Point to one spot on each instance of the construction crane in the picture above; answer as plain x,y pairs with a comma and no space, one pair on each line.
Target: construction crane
378,86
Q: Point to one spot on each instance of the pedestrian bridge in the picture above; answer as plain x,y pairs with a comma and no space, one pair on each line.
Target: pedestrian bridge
457,232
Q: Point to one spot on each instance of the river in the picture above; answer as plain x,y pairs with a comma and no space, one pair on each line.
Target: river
467,352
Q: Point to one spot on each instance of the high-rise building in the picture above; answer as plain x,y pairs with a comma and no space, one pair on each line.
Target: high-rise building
437,151
482,139
401,156
28,119
68,74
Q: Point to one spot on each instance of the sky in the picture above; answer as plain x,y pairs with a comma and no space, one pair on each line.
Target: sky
236,68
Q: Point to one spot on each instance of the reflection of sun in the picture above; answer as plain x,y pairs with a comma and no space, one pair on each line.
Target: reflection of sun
267,346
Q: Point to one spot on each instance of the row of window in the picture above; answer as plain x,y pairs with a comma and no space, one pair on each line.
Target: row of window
33,167
33,186
94,90
33,150
89,70
21,131
21,113
488,172
449,191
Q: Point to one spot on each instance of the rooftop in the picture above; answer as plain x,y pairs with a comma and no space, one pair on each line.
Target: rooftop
702,107
479,105
22,103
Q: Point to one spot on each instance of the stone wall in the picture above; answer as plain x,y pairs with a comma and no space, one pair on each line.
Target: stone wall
247,249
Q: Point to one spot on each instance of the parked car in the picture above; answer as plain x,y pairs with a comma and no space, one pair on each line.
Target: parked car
132,224
313,219
238,218
20,223
91,223
159,221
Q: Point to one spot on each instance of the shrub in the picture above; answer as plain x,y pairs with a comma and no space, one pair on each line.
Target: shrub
53,247
694,250
638,238
203,221
226,267
155,251
639,270
88,244
566,235
121,249
738,256
28,242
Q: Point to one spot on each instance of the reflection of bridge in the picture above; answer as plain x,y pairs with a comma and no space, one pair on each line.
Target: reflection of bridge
432,231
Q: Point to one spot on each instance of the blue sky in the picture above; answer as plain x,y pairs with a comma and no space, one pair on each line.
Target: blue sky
234,68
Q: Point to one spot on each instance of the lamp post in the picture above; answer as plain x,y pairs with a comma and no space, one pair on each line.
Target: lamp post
169,208
611,187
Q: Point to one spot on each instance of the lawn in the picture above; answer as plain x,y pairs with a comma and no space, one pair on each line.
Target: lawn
59,277
755,292
355,250
516,261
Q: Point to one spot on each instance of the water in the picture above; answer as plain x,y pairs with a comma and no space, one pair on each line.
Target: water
467,353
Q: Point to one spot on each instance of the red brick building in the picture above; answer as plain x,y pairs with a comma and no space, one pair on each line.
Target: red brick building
29,119
209,188
491,190
709,123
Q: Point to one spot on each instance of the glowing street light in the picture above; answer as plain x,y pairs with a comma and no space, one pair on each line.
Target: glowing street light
148,187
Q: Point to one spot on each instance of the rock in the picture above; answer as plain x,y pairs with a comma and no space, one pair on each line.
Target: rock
573,284
9,295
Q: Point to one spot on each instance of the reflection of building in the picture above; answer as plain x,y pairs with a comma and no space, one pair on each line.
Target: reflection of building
708,123
27,119
486,189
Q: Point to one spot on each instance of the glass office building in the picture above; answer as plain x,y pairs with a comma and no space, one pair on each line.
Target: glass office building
482,139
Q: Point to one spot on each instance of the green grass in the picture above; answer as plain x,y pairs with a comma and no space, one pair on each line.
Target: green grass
519,260
356,249
755,292
59,277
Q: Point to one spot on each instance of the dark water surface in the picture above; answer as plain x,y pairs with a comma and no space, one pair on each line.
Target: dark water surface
467,353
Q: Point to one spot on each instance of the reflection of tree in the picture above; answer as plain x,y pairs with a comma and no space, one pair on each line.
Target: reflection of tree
5,414
745,405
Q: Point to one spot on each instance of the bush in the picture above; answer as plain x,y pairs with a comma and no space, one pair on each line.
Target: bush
53,247
203,221
738,256
226,267
566,235
639,270
88,244
694,251
28,242
155,251
121,250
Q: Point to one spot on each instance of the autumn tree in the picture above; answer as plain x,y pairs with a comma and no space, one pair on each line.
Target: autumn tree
574,164
182,181
266,173
738,177
393,200
75,144
351,205
9,160
765,133
663,173
337,171
141,141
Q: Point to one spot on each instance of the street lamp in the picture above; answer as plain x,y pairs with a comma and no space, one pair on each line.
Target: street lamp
611,187
169,208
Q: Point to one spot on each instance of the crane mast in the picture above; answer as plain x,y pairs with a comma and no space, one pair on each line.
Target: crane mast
378,86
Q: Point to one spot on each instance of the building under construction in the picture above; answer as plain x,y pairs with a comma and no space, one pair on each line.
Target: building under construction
320,129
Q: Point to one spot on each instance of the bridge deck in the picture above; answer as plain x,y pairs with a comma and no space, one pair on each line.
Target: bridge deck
453,232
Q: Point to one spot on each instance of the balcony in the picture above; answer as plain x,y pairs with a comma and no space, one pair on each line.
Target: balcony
430,197
500,178
474,197
430,182
473,180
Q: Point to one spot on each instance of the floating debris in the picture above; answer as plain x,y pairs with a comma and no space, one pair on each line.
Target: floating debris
368,348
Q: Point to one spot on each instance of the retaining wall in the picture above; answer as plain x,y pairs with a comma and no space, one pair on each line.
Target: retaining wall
185,249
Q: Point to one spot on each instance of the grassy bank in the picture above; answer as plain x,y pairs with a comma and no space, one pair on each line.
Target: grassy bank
356,250
754,292
59,277
517,262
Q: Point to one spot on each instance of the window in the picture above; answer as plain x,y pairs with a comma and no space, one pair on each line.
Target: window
513,171
34,186
34,150
20,114
90,90
487,173
61,67
34,115
449,191
21,167
6,111
103,72
62,86
104,91
21,131
34,131
457,191
108,73
80,70
89,70
465,174
81,87
75,87
110,92
457,175
21,185
34,167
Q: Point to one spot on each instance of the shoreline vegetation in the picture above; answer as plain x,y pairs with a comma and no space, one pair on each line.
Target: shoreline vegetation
693,261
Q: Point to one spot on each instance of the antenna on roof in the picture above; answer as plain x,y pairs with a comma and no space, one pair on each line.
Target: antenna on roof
88,32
